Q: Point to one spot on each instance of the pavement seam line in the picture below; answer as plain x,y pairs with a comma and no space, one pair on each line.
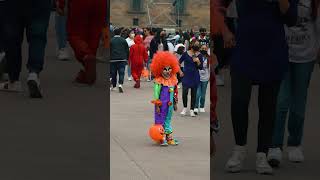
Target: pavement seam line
132,159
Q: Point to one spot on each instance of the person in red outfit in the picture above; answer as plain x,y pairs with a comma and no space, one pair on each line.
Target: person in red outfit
138,57
86,19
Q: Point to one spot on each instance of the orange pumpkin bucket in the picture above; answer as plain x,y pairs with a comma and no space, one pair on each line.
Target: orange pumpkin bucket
156,132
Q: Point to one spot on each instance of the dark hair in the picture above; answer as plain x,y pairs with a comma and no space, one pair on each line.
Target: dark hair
315,6
117,31
180,50
186,36
202,30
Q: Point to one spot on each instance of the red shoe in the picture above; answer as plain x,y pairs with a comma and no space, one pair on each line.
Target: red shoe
90,69
138,84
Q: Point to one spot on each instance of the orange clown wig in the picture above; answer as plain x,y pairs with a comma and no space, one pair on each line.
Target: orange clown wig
162,60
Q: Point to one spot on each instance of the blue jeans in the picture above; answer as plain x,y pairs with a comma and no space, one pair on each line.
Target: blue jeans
129,71
61,30
201,94
292,97
115,69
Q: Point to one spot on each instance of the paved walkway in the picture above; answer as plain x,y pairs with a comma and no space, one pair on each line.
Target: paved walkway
135,156
308,170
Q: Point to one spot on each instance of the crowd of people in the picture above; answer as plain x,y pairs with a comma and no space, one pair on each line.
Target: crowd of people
134,49
281,67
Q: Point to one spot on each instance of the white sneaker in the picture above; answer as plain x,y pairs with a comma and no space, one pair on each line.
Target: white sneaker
33,82
120,88
295,154
130,78
196,110
184,111
274,156
63,54
219,80
235,163
192,114
202,110
112,88
262,165
11,87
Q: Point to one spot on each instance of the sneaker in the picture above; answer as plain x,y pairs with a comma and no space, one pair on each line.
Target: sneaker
148,80
219,80
295,154
120,88
235,163
11,87
184,111
196,111
63,54
112,88
164,143
192,114
274,157
179,87
173,142
202,110
34,85
130,78
262,165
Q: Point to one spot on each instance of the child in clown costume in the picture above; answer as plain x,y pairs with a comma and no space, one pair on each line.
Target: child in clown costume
164,67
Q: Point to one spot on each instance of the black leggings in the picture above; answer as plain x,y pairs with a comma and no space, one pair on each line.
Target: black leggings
240,99
185,92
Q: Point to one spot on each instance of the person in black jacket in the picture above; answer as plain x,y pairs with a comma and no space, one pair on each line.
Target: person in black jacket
119,54
33,17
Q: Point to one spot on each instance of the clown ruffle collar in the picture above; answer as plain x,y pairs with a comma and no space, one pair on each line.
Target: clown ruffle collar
167,82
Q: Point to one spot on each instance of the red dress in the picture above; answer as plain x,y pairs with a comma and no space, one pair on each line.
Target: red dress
138,55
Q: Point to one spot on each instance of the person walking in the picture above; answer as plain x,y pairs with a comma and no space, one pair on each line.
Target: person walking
86,19
193,61
32,17
294,88
119,54
148,36
204,80
130,41
61,35
250,65
137,59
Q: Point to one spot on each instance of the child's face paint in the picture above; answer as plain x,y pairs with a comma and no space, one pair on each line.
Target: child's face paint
166,73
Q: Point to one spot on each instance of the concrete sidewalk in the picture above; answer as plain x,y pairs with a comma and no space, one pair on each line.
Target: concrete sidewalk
133,154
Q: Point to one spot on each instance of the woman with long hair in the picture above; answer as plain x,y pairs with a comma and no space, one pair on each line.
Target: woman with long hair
193,61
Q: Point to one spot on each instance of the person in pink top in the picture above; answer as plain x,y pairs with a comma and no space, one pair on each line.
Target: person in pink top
146,42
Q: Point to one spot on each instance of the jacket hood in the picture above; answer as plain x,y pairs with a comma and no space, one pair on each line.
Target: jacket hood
138,39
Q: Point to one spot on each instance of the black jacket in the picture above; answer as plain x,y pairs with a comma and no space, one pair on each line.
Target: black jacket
119,49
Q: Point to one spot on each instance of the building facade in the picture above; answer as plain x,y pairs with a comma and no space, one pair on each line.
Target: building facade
182,14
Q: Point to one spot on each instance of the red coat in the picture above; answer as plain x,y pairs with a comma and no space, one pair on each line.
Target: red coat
138,54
